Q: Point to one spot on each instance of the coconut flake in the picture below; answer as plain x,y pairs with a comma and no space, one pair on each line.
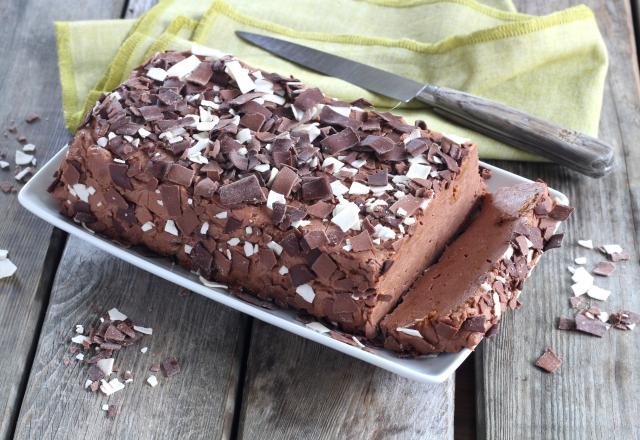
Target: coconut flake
116,315
338,188
170,227
580,288
384,233
332,161
222,215
306,292
243,135
275,197
418,171
156,74
79,339
23,158
409,331
106,366
240,75
275,247
347,216
248,249
262,168
580,260
457,139
359,188
283,270
415,134
598,293
581,275
22,174
612,249
233,241
7,268
586,243
212,284
316,326
152,380
205,51
184,67
144,330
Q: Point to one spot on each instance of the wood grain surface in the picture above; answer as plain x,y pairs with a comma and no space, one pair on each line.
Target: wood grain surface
206,337
29,83
594,394
295,388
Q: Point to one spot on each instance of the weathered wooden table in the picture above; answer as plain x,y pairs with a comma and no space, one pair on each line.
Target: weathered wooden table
242,378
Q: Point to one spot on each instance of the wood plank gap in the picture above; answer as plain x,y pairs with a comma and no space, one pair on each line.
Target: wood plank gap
633,5
52,259
464,401
242,377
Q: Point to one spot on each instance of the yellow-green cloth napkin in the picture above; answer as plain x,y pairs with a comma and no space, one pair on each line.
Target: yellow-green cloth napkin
552,66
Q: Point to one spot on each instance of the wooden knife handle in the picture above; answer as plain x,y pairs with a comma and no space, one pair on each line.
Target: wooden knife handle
570,148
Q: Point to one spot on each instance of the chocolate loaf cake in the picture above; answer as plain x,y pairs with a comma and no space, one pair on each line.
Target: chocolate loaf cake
250,179
463,296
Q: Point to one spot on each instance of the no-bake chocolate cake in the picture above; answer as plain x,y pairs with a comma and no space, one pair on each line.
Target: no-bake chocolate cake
253,180
463,296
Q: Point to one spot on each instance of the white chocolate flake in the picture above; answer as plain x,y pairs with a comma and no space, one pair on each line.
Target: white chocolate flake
306,292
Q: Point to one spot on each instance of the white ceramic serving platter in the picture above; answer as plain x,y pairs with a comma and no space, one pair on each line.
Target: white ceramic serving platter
35,198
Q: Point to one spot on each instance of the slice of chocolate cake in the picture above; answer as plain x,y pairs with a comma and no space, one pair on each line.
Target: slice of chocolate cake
250,179
463,296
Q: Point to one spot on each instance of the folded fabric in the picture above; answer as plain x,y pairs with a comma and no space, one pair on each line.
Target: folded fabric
552,66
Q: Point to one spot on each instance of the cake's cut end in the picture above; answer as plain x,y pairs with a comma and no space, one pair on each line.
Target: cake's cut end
462,297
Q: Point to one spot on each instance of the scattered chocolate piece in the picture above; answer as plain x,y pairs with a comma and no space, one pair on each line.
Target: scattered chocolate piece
549,361
591,326
565,323
604,268
112,411
6,187
31,118
554,242
170,366
561,212
154,367
184,293
576,302
624,320
619,256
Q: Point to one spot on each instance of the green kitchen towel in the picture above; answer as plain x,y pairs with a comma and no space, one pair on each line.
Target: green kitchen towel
552,66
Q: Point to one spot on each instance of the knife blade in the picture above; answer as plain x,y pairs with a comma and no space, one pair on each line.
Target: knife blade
578,151
368,77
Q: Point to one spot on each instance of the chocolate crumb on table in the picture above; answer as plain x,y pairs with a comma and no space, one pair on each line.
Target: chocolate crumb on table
588,323
565,323
170,366
31,118
549,361
112,411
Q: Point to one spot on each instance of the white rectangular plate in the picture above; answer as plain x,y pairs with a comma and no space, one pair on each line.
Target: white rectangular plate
35,198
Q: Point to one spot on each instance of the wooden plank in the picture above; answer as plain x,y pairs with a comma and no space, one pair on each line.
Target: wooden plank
206,337
295,388
594,394
30,84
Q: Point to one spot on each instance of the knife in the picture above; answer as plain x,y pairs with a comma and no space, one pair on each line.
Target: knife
564,146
